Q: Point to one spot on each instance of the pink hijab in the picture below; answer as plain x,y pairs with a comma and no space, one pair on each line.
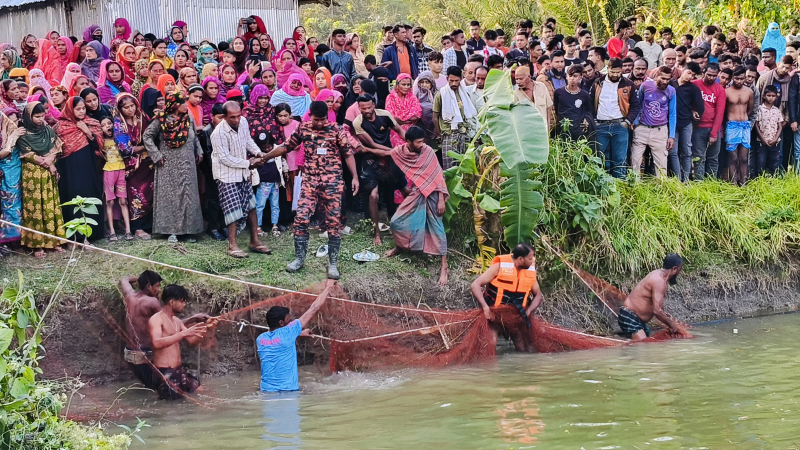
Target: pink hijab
69,76
123,23
323,95
65,58
290,68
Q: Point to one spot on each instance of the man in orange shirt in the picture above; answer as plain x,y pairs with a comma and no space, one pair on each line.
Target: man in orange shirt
402,54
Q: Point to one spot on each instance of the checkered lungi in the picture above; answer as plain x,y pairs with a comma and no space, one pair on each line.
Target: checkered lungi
236,201
455,142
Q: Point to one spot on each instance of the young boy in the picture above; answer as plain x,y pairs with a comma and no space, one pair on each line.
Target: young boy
114,181
769,123
490,37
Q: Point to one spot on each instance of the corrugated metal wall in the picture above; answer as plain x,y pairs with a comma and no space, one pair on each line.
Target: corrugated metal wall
214,19
36,18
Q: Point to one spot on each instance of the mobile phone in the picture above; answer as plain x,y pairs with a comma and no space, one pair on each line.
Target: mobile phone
265,65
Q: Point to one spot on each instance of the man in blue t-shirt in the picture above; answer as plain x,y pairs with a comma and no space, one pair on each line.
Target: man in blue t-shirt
276,349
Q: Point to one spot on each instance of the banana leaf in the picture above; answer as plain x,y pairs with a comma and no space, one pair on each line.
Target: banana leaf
517,129
520,203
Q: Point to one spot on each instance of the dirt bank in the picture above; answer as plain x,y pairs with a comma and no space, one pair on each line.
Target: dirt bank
83,339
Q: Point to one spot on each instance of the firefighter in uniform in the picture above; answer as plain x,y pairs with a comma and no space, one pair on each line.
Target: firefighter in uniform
510,280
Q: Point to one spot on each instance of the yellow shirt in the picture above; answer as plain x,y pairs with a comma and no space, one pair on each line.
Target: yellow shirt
114,160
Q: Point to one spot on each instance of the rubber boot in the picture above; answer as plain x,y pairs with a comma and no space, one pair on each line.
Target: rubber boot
333,257
300,250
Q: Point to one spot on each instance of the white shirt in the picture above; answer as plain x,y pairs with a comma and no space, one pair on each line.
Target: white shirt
652,53
229,162
608,107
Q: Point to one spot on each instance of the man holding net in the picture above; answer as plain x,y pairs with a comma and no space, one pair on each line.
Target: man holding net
647,301
277,348
510,280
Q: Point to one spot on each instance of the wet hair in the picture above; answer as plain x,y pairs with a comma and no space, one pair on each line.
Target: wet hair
275,315
615,63
694,68
370,59
318,109
174,292
148,278
521,250
281,107
414,133
217,109
369,86
454,71
672,260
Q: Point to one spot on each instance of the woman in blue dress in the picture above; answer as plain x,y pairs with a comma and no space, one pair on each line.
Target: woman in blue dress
10,182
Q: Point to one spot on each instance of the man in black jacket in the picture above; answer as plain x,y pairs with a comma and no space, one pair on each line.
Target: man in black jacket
212,211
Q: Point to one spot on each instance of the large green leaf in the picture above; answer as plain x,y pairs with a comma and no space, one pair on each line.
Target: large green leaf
517,129
6,334
3,367
520,203
20,388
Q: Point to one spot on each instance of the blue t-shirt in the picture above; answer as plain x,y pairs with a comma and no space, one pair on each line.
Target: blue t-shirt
278,355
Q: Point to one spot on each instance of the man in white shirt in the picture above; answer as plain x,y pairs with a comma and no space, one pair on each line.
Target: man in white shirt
652,50
231,142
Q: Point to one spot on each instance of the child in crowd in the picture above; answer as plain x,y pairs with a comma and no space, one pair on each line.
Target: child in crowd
769,123
114,181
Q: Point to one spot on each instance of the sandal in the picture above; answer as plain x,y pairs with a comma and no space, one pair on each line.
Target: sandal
39,254
239,254
129,237
112,238
275,231
172,239
259,232
261,250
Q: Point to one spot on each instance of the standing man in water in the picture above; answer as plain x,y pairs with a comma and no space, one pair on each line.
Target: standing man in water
167,331
647,300
276,348
510,280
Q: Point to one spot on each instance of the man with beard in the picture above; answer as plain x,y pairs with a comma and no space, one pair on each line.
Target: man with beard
670,59
656,124
418,36
639,72
681,51
647,300
555,78
417,224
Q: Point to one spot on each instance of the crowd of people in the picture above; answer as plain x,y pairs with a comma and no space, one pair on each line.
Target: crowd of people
181,137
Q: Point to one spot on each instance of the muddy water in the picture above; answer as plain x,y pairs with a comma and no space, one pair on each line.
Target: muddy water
720,390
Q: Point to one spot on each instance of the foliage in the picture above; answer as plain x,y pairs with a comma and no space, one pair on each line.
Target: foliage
363,17
82,224
29,408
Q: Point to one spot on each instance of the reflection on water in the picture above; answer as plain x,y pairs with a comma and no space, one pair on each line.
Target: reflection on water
720,390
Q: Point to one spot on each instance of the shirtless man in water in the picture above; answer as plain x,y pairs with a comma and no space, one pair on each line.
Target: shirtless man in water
167,331
738,106
140,305
647,300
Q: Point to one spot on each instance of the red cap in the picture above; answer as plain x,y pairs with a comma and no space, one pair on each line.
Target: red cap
233,93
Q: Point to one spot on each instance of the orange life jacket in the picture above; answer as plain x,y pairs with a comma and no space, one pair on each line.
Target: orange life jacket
513,280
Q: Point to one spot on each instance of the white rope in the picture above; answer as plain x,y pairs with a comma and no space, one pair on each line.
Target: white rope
220,277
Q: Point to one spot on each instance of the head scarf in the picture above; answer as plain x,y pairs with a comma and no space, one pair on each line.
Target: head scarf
290,68
91,67
259,119
66,81
383,86
140,51
127,64
28,55
65,58
40,81
208,102
102,110
139,80
335,80
207,69
425,95
52,111
19,72
13,59
162,83
328,85
324,95
133,132
38,139
174,130
73,85
123,23
283,47
133,35
297,99
150,98
64,91
73,138
262,30
5,100
49,60
241,57
186,71
115,45
201,60
75,57
225,87
774,39
88,37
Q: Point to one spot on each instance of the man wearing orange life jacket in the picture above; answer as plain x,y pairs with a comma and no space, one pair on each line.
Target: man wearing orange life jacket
511,279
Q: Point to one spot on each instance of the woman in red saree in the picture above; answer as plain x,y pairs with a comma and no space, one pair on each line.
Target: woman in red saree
64,48
49,62
404,106
126,57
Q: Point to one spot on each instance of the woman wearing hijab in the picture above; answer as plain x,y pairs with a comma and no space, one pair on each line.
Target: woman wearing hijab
404,106
49,62
228,78
282,128
351,96
126,57
59,96
111,82
181,61
260,116
299,36
176,199
152,102
70,72
194,97
186,78
328,96
38,80
8,60
291,45
381,77
293,94
339,84
176,38
137,39
9,91
774,39
80,83
269,80
64,47
78,52
95,109
166,84
93,33
128,130
82,140
91,65
122,29
10,182
353,46
322,80
240,52
210,70
205,55
28,48
140,67
154,71
288,67
211,95
41,202
425,91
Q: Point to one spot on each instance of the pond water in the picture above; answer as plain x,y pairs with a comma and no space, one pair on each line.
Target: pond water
719,390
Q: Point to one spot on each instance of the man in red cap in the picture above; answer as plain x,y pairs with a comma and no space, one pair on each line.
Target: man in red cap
235,95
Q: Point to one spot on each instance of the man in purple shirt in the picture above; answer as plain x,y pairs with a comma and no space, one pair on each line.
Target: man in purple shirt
656,123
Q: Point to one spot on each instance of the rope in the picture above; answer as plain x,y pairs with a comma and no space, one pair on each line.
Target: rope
220,277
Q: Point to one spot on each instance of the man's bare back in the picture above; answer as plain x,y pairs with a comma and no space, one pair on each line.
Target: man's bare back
139,308
641,299
739,103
